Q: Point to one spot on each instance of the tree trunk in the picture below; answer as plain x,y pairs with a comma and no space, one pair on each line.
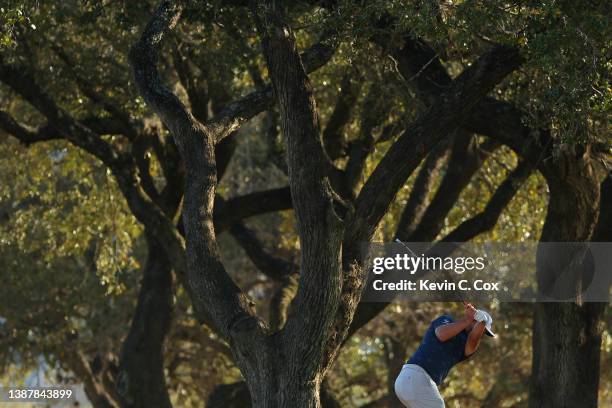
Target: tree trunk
141,381
280,386
566,348
396,357
299,392
566,336
236,395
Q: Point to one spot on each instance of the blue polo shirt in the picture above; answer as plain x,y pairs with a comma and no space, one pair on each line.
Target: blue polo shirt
437,357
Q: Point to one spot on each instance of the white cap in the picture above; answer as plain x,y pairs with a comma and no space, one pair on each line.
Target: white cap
483,316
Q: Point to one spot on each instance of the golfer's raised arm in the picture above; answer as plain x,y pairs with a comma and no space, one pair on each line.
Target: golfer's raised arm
450,330
474,338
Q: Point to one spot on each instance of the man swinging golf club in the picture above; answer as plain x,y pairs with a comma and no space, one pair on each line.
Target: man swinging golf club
447,342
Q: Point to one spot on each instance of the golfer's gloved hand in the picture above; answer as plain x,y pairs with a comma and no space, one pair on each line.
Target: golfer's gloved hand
480,316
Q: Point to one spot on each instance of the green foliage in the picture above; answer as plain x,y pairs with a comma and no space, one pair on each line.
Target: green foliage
67,246
12,18
566,83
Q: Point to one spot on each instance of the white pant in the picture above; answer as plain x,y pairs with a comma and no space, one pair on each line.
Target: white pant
415,389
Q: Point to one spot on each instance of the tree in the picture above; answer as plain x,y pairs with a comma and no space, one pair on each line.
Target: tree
339,187
279,367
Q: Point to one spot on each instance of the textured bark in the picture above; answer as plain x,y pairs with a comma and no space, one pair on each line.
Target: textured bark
499,120
566,354
209,284
269,365
236,395
286,367
567,336
318,212
140,380
230,211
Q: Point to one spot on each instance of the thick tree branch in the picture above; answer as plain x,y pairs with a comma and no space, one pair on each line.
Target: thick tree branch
418,201
122,166
143,58
230,211
465,160
243,109
22,81
106,125
315,203
271,266
496,119
195,86
214,294
401,159
27,134
333,136
373,112
487,218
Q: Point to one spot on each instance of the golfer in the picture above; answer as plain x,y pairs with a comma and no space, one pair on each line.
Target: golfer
447,342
